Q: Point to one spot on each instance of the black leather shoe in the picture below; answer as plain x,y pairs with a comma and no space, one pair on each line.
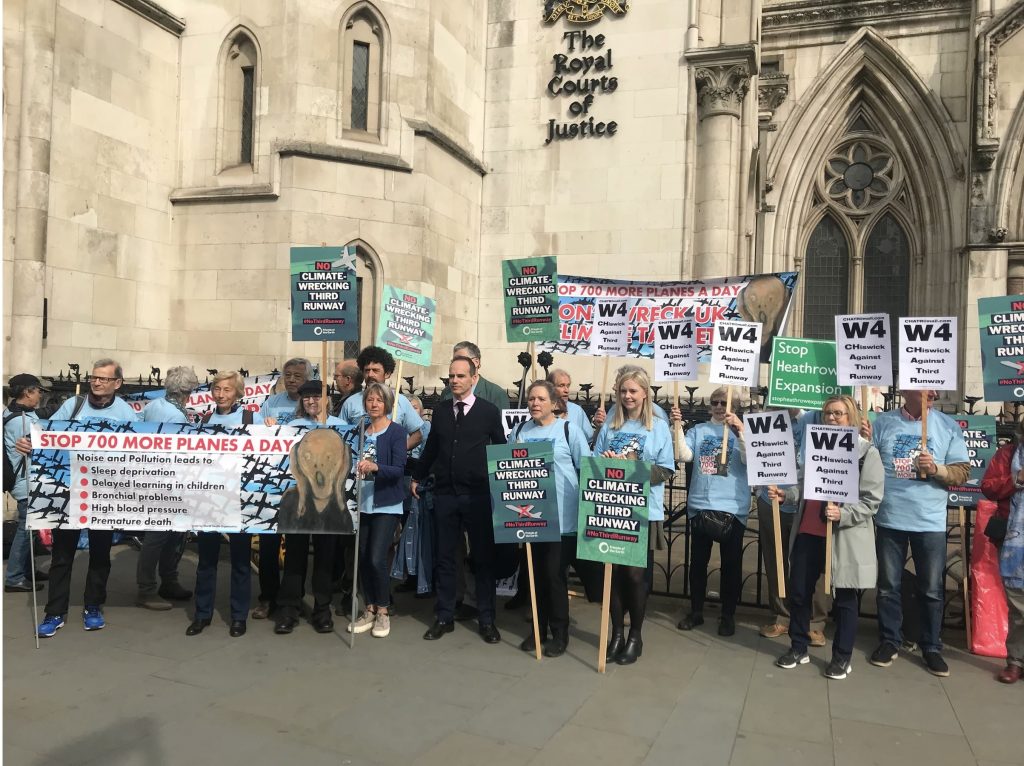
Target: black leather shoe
489,633
438,629
691,621
237,628
42,576
632,651
285,625
323,624
615,644
196,627
726,625
174,592
464,612
556,645
528,645
25,586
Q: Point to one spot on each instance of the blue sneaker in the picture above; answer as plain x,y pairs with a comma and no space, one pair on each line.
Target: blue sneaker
92,618
50,625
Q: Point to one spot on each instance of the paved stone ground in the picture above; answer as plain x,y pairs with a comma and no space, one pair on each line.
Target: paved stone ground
141,692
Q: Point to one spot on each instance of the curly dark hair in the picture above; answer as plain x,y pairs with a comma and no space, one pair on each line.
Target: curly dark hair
372,354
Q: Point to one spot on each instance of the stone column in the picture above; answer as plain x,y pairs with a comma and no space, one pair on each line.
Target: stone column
722,78
33,195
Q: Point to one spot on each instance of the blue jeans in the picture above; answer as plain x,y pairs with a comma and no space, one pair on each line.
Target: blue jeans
376,533
928,551
19,560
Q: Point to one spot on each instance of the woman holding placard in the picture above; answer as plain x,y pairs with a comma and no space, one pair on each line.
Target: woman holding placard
717,506
553,559
634,433
227,389
854,565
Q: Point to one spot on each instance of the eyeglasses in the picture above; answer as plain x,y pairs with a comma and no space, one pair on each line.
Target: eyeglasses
311,396
836,413
102,379
718,402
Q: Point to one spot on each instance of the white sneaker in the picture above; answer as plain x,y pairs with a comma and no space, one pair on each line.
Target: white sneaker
363,623
382,625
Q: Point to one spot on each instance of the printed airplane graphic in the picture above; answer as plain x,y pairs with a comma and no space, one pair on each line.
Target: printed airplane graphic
403,338
524,511
1017,367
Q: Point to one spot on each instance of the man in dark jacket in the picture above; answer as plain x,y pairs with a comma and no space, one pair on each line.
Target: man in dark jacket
456,454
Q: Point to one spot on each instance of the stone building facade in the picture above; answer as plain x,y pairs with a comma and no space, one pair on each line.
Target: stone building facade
160,160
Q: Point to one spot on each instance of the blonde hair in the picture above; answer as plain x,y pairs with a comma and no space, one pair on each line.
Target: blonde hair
234,377
639,376
852,412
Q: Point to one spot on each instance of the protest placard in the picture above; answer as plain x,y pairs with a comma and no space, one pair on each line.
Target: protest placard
675,350
523,495
735,353
928,349
803,373
980,437
863,350
1001,324
406,326
530,287
610,327
613,511
770,449
766,298
510,418
323,288
831,464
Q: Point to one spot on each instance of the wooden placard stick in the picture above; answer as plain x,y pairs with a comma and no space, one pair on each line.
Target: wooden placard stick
780,572
828,556
677,426
925,401
533,599
604,385
725,427
324,404
606,596
530,349
398,391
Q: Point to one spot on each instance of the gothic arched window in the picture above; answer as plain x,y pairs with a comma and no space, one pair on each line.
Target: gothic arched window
363,72
826,279
239,87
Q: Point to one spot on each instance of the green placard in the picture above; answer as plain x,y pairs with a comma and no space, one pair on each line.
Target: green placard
406,326
980,436
803,373
323,287
530,287
613,511
524,499
1001,323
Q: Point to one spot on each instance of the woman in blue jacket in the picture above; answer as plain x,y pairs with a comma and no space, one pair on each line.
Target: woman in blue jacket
381,469
634,433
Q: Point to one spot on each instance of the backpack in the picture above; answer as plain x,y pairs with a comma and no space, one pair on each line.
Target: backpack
10,472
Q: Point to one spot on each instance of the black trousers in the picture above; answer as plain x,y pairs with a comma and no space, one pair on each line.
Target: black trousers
65,545
806,564
452,514
731,551
551,572
239,546
270,568
296,564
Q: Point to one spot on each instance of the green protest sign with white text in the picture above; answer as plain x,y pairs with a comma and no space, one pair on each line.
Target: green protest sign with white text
524,501
803,373
613,511
530,287
406,326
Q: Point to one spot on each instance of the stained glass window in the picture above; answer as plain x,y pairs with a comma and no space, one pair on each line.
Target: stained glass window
360,85
887,269
826,276
248,97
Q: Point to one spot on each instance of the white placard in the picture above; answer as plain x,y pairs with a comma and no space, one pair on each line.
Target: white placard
863,350
511,418
675,352
735,353
771,451
831,464
158,491
928,353
610,327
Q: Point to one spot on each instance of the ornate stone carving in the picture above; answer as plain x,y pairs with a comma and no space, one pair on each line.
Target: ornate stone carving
997,235
721,89
986,138
830,13
772,89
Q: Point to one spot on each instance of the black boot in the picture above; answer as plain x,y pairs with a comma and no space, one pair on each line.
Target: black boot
634,648
615,645
557,645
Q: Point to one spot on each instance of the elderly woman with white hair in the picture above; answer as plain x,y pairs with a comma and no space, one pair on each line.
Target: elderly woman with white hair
163,548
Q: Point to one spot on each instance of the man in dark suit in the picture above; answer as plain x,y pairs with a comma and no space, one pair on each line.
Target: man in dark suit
456,453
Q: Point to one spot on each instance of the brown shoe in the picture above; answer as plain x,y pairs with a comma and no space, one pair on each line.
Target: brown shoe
262,611
817,638
1011,674
774,630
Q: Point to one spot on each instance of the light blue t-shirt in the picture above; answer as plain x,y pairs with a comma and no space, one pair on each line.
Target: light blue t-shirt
12,432
568,455
117,410
233,418
310,423
280,406
912,504
353,410
653,446
163,411
366,504
655,408
579,418
708,491
416,451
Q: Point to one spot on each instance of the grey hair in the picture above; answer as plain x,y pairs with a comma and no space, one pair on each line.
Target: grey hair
180,382
553,375
468,348
235,377
118,372
384,392
296,362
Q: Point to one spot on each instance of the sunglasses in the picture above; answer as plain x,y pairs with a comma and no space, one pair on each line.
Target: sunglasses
718,402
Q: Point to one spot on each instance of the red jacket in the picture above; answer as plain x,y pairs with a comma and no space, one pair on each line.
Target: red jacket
998,483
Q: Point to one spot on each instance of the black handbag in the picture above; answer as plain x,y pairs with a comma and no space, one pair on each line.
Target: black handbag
995,529
714,524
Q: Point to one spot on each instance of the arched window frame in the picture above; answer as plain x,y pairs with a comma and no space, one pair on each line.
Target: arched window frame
364,25
240,51
370,286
